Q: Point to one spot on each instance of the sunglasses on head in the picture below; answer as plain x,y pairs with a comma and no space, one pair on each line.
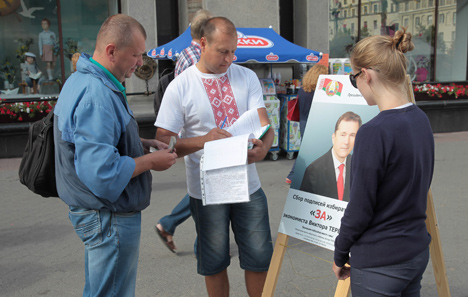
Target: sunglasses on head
352,77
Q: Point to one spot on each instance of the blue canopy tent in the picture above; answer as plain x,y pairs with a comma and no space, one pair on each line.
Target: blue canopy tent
261,45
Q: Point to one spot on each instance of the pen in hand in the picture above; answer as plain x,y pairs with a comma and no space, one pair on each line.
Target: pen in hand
224,122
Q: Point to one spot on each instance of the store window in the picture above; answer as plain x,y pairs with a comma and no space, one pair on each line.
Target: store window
33,26
440,53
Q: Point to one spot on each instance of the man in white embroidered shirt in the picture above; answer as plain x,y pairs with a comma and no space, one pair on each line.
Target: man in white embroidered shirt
196,103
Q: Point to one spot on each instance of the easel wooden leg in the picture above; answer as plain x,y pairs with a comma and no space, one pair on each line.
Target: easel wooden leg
275,265
437,256
343,288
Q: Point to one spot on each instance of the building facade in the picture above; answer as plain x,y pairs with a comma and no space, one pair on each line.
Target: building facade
439,29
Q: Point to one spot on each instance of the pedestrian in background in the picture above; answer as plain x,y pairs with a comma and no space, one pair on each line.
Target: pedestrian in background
305,96
188,57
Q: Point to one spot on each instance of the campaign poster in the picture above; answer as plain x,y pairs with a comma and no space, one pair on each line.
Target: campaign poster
319,190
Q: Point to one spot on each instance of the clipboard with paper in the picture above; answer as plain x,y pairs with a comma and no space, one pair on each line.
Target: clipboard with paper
224,163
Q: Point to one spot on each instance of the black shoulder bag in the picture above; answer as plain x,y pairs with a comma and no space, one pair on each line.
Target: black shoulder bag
37,168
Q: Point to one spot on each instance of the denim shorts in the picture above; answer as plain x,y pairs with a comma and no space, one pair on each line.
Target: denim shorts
251,227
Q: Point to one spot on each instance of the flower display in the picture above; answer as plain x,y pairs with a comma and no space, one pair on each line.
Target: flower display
438,90
7,70
71,47
16,111
23,48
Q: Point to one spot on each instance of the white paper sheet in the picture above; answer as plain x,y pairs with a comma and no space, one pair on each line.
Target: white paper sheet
223,167
226,152
225,185
247,123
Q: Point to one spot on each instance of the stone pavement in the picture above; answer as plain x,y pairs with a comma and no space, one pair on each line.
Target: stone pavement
42,256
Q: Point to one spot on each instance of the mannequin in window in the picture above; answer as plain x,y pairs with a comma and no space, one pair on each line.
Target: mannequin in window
32,72
46,47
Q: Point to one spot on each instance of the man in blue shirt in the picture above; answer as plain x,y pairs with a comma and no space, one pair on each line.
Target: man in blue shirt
101,166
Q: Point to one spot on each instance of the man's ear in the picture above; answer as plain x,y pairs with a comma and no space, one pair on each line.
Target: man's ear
203,43
110,52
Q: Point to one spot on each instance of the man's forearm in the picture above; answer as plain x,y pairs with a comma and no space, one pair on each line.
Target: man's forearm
268,139
187,146
184,146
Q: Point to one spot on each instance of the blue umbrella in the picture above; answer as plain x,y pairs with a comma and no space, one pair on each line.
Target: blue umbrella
261,45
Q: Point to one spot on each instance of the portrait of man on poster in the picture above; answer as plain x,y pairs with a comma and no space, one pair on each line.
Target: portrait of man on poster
326,176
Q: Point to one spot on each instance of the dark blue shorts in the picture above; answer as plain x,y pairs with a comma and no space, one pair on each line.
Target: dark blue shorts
251,227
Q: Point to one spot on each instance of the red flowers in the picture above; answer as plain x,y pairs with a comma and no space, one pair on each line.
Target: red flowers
439,89
16,111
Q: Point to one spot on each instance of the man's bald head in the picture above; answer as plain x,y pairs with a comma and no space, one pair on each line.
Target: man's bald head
118,29
221,24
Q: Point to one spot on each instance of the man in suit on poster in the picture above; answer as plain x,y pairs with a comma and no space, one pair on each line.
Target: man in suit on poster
326,176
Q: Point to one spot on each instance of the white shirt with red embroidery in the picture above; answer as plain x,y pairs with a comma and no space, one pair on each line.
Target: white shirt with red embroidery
195,102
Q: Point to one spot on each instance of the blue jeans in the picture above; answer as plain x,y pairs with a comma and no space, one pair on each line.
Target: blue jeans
402,280
179,214
251,227
112,244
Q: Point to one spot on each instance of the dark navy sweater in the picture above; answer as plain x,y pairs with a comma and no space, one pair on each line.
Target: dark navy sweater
391,172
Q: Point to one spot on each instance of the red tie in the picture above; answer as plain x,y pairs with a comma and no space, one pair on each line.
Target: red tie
339,182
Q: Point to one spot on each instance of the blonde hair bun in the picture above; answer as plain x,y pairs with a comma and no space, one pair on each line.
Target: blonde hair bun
402,41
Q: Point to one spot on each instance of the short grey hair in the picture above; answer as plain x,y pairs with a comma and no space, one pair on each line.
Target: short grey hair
197,22
118,29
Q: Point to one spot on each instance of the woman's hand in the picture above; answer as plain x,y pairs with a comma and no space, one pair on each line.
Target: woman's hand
342,273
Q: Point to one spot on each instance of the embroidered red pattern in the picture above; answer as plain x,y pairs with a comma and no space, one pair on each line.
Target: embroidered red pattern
222,100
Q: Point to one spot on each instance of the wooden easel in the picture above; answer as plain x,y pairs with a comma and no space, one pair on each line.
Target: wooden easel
343,288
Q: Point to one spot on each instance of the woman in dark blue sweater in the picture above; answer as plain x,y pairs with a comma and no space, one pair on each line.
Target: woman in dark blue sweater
383,233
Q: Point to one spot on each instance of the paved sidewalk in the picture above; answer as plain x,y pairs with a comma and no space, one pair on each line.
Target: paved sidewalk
42,256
